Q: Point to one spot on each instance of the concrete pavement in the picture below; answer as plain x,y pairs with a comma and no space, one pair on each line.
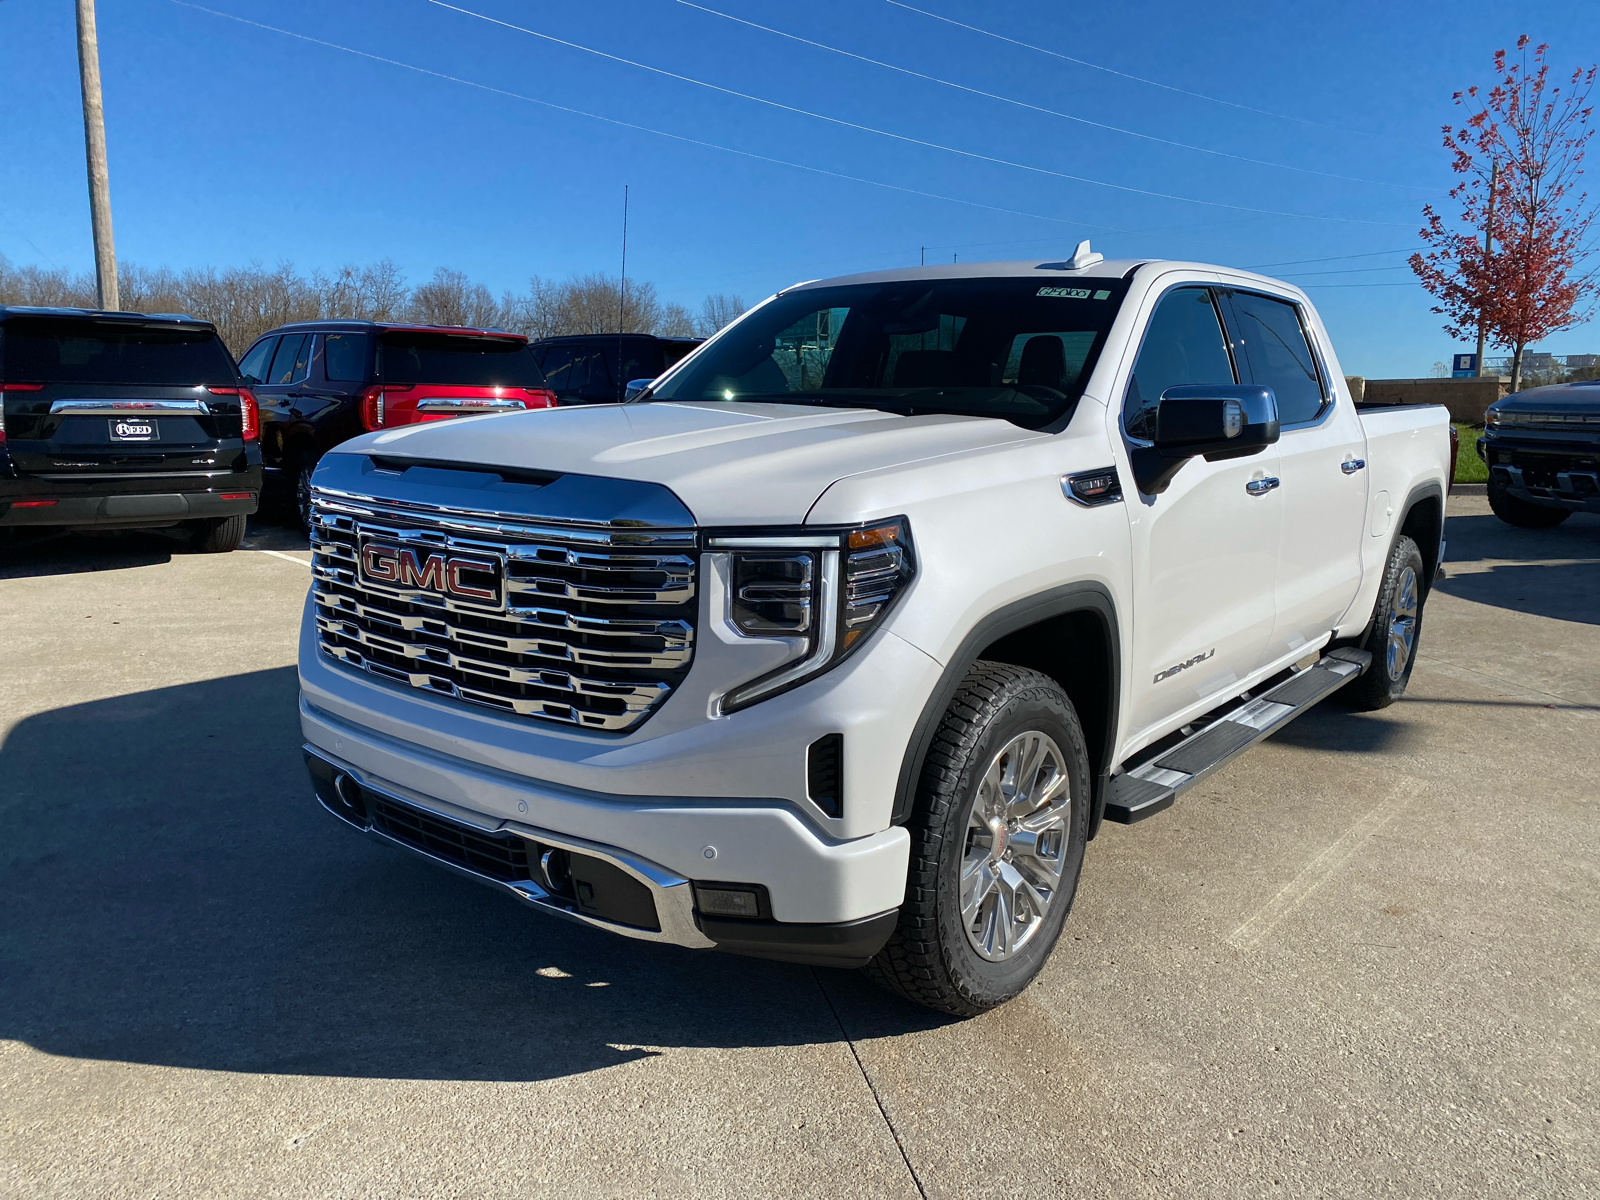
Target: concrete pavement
1360,961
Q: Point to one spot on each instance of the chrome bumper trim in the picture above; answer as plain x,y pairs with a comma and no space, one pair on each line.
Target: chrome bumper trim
673,895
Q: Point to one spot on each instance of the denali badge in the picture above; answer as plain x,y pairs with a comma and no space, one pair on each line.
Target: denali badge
416,569
1184,666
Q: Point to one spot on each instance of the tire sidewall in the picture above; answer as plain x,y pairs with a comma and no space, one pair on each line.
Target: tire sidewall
1404,554
990,983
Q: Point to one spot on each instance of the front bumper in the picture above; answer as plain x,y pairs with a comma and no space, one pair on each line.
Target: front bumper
600,885
1577,491
1554,474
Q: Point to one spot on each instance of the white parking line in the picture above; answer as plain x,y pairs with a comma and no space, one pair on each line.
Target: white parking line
304,562
1321,868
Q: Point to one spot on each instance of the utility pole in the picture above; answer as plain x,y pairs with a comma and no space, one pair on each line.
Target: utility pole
1488,246
94,141
622,303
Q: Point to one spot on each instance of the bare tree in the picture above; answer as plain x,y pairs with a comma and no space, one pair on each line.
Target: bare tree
676,321
718,312
450,298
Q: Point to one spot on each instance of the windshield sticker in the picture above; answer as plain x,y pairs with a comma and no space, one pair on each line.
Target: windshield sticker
1065,293
1102,295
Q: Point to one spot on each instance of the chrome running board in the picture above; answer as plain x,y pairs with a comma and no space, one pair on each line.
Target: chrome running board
1152,786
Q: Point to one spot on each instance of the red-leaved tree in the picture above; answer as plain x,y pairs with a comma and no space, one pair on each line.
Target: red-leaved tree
1520,153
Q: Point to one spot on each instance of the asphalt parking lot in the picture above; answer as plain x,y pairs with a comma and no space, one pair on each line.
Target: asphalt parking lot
1360,961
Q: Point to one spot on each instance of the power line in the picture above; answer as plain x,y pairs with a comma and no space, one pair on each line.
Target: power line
1260,162
677,137
1083,62
899,137
1338,258
1344,271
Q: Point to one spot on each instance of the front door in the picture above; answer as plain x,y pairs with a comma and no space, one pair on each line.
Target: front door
1323,495
1205,550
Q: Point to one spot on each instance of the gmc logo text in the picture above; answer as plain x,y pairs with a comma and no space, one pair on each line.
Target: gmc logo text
403,567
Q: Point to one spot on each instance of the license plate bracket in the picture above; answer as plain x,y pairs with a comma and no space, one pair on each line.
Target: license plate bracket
134,429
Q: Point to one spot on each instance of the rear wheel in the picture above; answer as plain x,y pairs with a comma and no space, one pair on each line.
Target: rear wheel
997,841
219,536
1392,637
1515,511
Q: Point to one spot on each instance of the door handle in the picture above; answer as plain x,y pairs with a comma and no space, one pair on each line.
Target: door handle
1351,465
1260,487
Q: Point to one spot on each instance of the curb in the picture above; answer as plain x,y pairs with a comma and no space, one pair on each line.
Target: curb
1470,489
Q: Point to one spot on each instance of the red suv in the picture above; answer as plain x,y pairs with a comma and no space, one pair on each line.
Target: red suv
320,383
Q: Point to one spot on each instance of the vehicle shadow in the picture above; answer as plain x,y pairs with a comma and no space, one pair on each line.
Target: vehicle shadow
1543,572
1329,726
30,554
173,895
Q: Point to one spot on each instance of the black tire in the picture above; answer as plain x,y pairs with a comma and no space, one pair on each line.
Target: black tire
219,536
930,958
302,494
1514,511
1395,632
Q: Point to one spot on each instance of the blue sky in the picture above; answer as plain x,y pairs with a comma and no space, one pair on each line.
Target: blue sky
230,143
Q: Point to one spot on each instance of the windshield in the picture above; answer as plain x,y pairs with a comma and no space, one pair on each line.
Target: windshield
462,360
1017,349
57,350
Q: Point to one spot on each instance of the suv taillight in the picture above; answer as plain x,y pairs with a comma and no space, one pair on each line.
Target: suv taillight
249,411
539,398
12,387
372,407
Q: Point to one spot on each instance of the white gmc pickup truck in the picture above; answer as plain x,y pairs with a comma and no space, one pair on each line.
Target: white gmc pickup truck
838,642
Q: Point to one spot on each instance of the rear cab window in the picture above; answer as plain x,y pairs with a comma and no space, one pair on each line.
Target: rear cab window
456,359
1277,353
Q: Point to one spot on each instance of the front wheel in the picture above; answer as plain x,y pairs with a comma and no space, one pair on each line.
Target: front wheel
1392,637
302,494
1518,512
997,841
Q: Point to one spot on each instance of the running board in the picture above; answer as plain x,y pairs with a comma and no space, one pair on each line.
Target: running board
1152,787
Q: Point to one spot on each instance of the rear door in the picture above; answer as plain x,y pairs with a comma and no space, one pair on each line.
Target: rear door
323,405
117,399
1321,453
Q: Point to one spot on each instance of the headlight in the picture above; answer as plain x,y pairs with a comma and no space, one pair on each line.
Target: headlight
1493,419
823,590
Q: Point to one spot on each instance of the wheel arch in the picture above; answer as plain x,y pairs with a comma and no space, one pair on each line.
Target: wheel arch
1422,520
1069,633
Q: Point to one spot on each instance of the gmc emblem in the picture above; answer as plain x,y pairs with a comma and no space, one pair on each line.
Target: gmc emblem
406,568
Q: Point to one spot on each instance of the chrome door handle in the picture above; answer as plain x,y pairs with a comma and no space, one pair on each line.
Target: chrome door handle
1351,465
1260,487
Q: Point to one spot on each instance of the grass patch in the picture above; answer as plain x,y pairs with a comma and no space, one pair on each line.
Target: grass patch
1469,467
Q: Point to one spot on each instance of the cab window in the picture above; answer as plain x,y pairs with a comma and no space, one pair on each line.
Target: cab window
1278,354
1183,344
254,364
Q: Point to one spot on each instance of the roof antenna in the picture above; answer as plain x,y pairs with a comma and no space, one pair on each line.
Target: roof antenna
1084,257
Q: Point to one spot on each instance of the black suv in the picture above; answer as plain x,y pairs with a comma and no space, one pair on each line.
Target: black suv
1543,451
323,382
122,420
596,368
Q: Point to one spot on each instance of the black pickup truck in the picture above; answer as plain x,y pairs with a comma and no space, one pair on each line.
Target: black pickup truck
1542,448
125,421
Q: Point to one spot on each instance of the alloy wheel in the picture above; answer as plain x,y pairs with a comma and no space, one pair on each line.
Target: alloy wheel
1016,837
1402,623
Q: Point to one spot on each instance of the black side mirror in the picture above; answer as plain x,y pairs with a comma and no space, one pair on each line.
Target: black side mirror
635,386
1213,421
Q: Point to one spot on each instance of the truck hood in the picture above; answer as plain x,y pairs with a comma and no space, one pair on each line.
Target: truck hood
757,464
1581,397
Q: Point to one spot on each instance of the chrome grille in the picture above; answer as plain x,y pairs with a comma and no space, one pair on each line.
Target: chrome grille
596,628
